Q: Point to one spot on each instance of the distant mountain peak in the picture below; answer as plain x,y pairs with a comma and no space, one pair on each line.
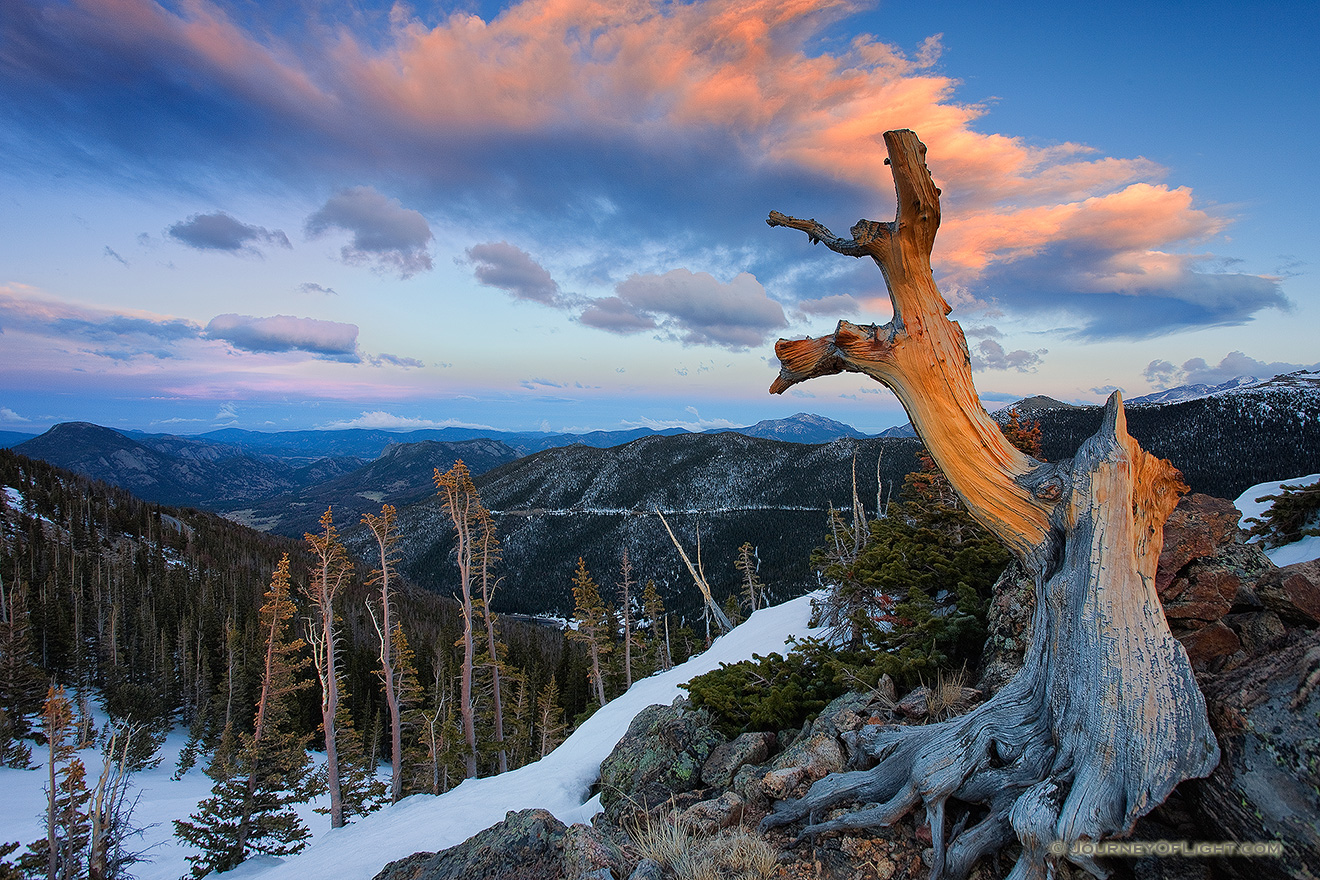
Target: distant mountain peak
800,427
1194,392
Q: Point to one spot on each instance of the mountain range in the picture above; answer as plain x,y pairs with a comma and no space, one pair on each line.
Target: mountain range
579,497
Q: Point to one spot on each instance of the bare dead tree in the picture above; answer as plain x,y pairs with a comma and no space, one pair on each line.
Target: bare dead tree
1105,718
699,578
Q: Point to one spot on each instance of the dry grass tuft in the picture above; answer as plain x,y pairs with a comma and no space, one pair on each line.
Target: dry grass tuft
946,698
732,854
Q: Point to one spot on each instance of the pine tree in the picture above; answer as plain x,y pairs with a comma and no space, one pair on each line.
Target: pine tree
549,718
753,591
653,607
21,683
331,573
590,616
261,775
1024,434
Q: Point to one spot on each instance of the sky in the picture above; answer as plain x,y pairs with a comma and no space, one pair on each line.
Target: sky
549,215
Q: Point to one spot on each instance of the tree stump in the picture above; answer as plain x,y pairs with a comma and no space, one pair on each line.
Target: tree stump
1105,718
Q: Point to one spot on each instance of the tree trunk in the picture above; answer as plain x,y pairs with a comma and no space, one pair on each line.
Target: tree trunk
460,497
383,530
1105,718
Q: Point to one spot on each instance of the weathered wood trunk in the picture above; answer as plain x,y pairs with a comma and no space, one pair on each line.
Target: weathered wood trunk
1105,717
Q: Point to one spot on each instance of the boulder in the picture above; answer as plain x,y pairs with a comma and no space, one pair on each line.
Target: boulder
728,758
527,845
1293,592
916,704
662,754
847,712
1209,643
590,855
816,755
707,817
1199,526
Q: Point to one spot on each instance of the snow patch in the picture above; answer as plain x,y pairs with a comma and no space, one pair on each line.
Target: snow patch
1289,554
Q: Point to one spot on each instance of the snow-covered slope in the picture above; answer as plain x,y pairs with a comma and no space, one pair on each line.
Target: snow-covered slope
559,782
1289,554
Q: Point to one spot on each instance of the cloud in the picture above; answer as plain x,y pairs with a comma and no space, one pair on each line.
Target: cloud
694,307
619,129
1195,371
311,287
220,232
36,315
286,333
227,412
990,355
114,255
503,266
382,420
8,416
838,305
384,232
394,360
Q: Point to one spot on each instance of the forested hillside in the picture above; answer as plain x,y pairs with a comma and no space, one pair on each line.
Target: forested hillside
156,610
561,504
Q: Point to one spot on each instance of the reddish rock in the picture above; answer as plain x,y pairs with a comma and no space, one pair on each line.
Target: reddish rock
1206,592
1209,642
1294,593
1198,526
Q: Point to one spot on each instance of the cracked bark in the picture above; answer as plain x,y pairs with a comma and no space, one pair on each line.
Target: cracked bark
1105,718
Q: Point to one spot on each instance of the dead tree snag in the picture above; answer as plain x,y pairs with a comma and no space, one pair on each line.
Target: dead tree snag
1105,717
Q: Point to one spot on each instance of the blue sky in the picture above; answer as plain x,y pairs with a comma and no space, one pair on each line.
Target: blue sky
549,215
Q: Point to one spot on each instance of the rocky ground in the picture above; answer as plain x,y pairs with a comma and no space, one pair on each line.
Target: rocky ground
680,800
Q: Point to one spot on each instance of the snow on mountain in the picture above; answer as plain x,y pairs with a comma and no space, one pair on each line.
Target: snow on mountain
1192,392
559,782
797,428
1289,554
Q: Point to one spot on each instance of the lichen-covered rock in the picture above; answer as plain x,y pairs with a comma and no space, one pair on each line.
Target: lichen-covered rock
1008,628
1258,631
588,854
662,754
846,712
1267,784
647,869
779,784
816,755
710,816
728,758
527,845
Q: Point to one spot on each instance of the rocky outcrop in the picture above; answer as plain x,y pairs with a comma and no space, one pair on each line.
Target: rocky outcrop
527,845
662,755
